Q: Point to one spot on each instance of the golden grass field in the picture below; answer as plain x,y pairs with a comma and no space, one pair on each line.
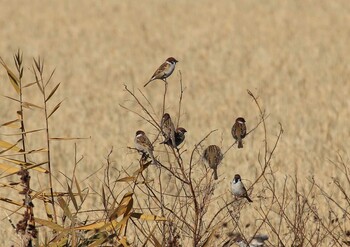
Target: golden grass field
293,55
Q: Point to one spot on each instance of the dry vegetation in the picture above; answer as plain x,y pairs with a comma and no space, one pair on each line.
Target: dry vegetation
293,57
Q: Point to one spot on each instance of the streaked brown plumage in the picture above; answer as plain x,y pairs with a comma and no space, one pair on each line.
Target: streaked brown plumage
212,157
179,137
144,145
168,129
239,131
164,70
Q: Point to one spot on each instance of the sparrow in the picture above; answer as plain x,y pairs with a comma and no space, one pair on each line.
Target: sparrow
179,137
144,145
164,71
258,240
212,157
238,188
168,129
239,131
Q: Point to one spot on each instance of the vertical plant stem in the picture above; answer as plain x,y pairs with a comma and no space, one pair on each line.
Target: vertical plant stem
40,68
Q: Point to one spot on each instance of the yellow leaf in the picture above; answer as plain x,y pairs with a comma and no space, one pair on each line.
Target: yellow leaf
124,206
65,208
93,226
9,146
49,224
8,169
27,165
126,179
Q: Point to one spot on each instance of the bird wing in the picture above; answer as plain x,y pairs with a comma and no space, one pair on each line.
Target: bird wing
159,73
145,142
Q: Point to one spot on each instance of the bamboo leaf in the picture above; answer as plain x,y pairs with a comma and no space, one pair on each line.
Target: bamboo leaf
10,201
12,124
48,209
37,81
72,197
27,165
63,204
25,132
124,206
29,85
33,166
9,185
8,168
93,226
79,190
51,75
102,225
13,78
9,146
49,224
55,109
28,105
41,150
52,92
126,179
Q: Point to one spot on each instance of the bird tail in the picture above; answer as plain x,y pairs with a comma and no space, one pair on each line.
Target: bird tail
147,82
154,161
215,174
240,143
249,200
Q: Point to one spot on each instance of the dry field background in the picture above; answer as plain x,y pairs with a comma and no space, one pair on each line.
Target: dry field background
294,55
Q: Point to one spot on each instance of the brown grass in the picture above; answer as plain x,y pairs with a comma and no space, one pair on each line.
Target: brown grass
293,55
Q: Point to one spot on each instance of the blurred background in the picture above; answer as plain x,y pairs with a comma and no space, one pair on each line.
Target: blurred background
293,55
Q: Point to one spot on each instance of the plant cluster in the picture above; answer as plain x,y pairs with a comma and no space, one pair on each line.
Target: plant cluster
170,202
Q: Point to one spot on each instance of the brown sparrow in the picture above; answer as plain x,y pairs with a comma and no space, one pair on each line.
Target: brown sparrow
168,129
179,137
144,145
164,71
212,157
239,131
238,188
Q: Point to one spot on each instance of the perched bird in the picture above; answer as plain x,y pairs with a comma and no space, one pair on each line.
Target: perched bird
238,188
168,129
144,145
164,71
212,157
239,131
257,241
179,137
